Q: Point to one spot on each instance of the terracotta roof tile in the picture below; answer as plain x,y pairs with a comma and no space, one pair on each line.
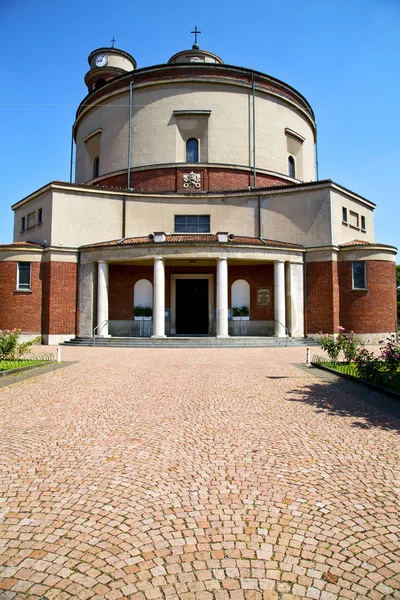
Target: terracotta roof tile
194,238
21,244
361,243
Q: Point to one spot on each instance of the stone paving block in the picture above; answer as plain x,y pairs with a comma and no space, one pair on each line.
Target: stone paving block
204,475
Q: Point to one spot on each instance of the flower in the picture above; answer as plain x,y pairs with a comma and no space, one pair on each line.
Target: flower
352,332
395,356
341,328
380,341
390,377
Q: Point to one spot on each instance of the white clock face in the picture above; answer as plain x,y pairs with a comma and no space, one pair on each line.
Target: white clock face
101,60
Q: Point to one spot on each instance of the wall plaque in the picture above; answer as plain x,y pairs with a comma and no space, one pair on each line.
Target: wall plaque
264,296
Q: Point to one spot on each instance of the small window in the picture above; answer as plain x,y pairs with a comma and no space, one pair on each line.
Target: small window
192,151
39,216
31,220
96,167
22,223
359,275
363,224
192,223
24,276
291,167
354,220
344,214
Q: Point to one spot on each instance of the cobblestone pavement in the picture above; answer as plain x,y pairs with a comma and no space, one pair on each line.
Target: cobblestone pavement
196,474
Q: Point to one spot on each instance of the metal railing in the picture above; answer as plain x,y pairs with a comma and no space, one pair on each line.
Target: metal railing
101,325
285,328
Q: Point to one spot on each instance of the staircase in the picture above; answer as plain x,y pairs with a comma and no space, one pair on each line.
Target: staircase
190,342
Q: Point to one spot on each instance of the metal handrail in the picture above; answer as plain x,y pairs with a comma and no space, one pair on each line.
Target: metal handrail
285,328
101,325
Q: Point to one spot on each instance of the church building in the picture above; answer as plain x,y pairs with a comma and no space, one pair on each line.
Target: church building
195,210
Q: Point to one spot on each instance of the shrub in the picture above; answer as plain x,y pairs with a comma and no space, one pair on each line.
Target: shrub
11,348
143,311
345,344
243,311
369,366
390,357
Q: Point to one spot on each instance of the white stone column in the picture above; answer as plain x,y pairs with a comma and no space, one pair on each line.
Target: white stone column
222,298
159,299
295,299
102,299
279,296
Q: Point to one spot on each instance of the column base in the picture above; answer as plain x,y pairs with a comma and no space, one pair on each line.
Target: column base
107,335
158,337
222,336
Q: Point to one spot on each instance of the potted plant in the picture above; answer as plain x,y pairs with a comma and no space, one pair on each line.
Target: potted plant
142,313
240,314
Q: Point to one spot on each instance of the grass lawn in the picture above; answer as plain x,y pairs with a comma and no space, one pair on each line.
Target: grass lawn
8,365
351,369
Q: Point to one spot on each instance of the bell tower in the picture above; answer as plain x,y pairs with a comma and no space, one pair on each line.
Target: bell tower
105,64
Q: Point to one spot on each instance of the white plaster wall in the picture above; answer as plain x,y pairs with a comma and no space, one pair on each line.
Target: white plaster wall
346,233
80,218
299,217
145,215
156,138
39,233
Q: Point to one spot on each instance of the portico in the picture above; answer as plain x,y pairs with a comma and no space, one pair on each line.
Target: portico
194,290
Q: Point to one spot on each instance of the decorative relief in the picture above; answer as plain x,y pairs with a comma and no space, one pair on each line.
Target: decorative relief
264,296
196,59
191,180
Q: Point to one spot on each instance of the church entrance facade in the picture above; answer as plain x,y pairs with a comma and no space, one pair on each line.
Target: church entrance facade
191,304
196,292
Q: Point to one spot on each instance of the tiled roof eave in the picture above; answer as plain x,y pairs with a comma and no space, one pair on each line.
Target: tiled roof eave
181,240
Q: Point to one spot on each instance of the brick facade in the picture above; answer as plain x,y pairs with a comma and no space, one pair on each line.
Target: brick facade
59,298
322,297
170,179
49,308
122,279
20,309
373,310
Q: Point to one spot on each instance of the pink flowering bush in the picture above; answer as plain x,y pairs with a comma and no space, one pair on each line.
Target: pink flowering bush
11,348
344,345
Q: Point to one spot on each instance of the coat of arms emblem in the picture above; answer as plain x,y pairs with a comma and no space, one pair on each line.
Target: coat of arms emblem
191,180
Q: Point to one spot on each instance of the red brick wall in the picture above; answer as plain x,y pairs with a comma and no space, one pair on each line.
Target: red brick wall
59,298
322,293
122,279
20,309
170,179
374,310
257,276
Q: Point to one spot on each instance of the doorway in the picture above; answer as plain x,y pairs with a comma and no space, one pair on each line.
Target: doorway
192,300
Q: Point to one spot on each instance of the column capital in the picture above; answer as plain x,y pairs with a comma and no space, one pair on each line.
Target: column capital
159,258
104,262
222,258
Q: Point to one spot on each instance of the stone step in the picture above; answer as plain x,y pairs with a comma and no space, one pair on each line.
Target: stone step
190,342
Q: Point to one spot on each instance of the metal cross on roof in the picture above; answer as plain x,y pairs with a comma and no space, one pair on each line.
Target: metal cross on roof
113,42
195,34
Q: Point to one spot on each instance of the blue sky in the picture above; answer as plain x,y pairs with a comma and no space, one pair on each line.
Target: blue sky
343,56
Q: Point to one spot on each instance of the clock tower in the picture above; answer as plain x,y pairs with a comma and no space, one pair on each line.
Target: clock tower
105,64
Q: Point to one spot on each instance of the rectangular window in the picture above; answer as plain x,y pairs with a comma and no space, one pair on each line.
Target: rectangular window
344,215
22,223
359,275
354,220
192,223
24,276
363,224
39,216
31,220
